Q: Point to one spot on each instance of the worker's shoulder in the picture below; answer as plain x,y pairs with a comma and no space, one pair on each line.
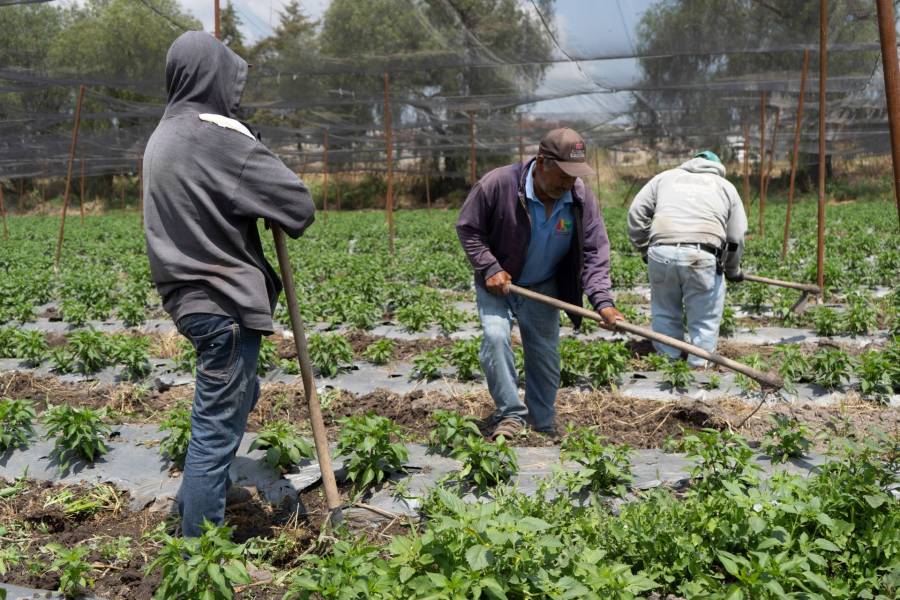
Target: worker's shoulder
505,178
227,123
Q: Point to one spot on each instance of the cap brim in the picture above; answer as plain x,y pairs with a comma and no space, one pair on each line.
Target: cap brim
575,169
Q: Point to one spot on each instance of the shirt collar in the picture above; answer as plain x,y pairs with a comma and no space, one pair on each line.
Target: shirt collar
529,188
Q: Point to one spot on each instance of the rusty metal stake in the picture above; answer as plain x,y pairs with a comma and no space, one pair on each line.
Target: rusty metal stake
325,180
746,165
772,150
81,191
823,75
767,379
797,127
389,157
3,210
762,161
62,222
891,68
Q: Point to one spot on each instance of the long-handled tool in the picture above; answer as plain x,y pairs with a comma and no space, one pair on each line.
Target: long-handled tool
332,496
808,289
766,379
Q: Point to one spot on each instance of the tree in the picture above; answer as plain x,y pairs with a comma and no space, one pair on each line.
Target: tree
230,23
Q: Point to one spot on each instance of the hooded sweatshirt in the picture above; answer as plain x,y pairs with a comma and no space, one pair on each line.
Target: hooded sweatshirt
207,180
693,203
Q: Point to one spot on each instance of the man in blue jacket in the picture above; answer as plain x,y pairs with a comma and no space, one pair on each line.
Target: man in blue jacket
535,224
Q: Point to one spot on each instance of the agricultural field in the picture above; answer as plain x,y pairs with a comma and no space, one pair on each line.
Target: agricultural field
666,483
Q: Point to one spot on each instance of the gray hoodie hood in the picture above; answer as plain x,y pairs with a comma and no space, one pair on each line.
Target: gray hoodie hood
702,165
203,75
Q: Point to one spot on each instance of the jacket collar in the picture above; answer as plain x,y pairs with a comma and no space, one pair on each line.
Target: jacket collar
523,176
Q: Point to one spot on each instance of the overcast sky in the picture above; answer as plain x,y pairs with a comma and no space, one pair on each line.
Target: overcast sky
258,16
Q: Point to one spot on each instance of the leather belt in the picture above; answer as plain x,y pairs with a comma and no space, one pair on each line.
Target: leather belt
714,250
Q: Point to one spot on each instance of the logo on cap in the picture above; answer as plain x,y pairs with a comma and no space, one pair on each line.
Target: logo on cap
577,151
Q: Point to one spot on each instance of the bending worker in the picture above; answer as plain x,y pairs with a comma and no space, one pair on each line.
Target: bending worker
535,224
207,180
689,224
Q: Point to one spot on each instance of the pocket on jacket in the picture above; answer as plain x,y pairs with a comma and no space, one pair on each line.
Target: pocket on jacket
217,351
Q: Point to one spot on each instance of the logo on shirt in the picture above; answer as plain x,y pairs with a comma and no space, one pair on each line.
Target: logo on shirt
563,226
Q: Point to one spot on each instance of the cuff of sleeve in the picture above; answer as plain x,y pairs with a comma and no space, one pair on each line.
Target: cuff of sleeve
600,304
492,270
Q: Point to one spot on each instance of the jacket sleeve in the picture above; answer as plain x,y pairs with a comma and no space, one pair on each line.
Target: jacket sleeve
472,230
268,189
735,229
640,215
595,276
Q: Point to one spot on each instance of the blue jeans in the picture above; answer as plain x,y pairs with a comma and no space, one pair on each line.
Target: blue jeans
226,390
539,329
684,286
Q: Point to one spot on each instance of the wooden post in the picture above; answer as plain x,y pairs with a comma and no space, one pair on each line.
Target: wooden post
428,185
762,159
140,173
772,150
81,191
122,190
3,210
217,18
21,190
823,74
325,174
746,166
62,222
797,127
891,69
521,146
44,186
473,174
388,141
340,190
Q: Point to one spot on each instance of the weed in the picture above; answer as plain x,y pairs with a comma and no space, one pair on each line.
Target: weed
174,444
380,351
330,353
713,382
102,497
789,438
605,468
79,433
284,446
367,442
451,431
16,423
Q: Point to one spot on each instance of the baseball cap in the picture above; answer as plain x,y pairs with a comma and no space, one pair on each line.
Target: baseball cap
709,155
566,148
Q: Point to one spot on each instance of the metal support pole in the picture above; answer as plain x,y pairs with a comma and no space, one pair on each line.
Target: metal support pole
3,210
794,156
325,175
65,207
772,149
81,190
473,170
521,146
389,152
823,74
746,166
597,173
762,160
217,17
891,69
140,172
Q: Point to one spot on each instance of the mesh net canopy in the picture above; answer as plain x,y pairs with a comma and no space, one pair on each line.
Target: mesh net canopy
668,76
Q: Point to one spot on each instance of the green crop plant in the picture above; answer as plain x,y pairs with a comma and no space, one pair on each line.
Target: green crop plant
792,364
177,438
728,325
132,311
719,456
450,431
788,438
330,353
713,382
826,321
367,443
449,319
31,346
268,356
208,567
606,362
90,350
8,342
62,360
73,568
79,433
285,447
427,366
289,365
133,353
103,497
830,368
876,375
678,374
464,357
415,317
783,309
572,359
603,468
75,312
519,361
186,357
380,351
861,317
16,423
486,464
745,383
9,557
655,361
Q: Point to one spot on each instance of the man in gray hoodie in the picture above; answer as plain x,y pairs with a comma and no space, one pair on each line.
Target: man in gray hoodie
207,179
689,224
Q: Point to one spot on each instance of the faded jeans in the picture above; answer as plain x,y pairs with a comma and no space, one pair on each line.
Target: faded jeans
684,285
226,391
539,329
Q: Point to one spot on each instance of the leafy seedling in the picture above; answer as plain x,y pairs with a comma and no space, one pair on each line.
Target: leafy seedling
427,366
604,468
174,444
90,350
486,464
133,353
678,374
79,433
367,443
285,447
31,346
16,423
73,568
830,368
789,438
606,362
380,351
330,353
268,356
450,432
464,357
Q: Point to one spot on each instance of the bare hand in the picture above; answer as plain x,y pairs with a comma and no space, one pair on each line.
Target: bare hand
498,283
611,314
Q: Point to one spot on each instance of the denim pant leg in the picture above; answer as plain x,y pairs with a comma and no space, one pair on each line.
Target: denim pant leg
226,390
665,296
704,301
539,326
496,356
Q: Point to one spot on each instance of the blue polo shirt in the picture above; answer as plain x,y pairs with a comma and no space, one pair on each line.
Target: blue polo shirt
550,237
